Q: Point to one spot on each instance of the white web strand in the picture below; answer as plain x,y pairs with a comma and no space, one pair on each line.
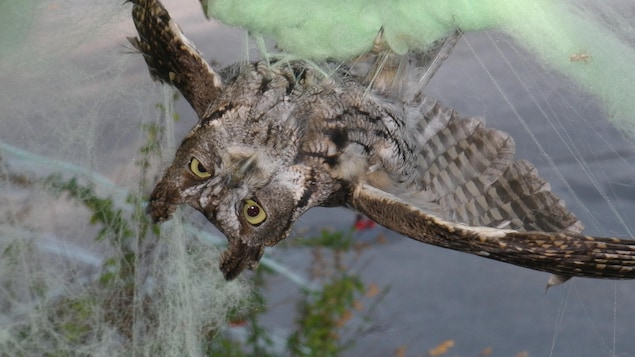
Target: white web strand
564,136
74,101
520,119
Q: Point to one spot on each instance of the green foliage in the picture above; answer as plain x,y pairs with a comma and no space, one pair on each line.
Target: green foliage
114,225
321,314
338,241
74,317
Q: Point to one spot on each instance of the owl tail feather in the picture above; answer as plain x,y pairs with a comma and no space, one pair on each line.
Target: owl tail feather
563,254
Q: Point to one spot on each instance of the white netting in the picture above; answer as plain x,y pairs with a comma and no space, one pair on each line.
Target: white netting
78,109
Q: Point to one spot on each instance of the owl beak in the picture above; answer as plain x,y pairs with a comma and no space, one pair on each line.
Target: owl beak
239,256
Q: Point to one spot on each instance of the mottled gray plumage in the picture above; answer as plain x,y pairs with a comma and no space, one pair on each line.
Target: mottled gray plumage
277,138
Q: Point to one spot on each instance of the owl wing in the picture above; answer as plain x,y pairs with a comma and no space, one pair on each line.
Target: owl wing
563,254
466,173
171,57
471,172
470,195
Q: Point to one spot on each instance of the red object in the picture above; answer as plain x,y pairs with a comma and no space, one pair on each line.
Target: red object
362,223
238,323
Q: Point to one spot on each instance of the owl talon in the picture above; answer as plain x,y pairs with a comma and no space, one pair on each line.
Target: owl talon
159,211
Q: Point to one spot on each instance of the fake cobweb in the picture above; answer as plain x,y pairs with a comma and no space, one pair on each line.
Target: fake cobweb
84,133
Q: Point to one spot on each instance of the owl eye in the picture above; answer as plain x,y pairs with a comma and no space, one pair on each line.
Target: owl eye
198,169
254,213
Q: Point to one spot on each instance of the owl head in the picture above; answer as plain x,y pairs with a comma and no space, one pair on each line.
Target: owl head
240,167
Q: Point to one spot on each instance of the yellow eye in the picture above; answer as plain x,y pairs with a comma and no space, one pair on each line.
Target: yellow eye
198,169
254,213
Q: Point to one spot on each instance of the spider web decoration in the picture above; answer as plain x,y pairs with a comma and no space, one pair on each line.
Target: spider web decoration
77,104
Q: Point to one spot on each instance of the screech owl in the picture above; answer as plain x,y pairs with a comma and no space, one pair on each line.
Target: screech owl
275,138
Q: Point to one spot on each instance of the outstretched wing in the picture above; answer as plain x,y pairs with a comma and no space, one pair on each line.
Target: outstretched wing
470,194
171,57
562,254
471,172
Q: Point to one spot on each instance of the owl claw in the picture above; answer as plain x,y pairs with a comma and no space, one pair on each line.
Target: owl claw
163,200
159,208
556,279
159,211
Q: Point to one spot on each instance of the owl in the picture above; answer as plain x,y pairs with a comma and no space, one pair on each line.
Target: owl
277,137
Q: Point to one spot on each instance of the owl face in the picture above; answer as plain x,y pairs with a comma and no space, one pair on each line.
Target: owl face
251,195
